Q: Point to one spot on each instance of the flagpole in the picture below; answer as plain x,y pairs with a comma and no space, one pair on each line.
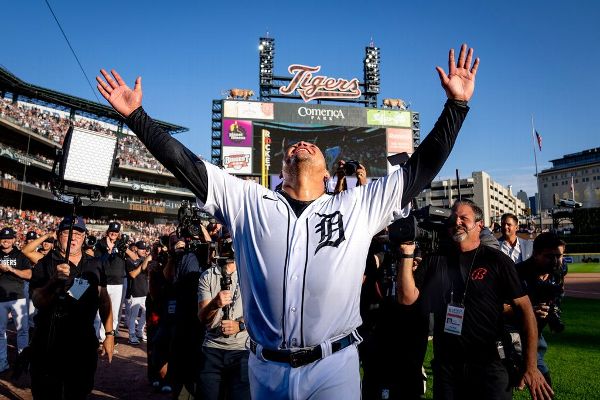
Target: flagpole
537,181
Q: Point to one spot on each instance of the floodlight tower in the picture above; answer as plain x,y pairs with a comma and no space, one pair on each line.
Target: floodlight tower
266,48
372,78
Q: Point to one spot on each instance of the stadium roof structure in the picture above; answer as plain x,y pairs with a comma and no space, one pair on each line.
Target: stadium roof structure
11,83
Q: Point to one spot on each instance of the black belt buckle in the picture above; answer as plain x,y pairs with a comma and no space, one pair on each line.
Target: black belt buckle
300,358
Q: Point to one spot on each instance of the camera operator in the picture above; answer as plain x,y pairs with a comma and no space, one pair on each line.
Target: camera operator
189,257
68,296
394,347
349,168
224,368
543,278
465,286
112,250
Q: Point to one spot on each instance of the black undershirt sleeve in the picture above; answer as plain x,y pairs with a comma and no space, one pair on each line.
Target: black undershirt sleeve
185,165
428,159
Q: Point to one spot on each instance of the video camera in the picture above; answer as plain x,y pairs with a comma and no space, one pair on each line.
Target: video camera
191,219
550,292
424,226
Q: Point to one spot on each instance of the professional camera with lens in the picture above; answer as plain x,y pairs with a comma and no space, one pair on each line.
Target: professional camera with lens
426,226
122,243
90,242
190,219
550,292
350,167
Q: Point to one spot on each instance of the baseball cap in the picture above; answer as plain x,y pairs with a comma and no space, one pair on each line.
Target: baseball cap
79,224
141,245
114,227
8,233
31,235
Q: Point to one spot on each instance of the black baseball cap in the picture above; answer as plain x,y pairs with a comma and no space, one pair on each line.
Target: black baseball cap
141,245
78,225
114,227
31,235
8,233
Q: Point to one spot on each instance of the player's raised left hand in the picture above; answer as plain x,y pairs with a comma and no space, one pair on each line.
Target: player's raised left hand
459,83
118,94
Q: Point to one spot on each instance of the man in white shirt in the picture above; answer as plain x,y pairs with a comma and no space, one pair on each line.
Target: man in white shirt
513,246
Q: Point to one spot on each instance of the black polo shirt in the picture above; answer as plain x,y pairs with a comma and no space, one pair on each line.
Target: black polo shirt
114,263
11,286
76,321
492,278
138,286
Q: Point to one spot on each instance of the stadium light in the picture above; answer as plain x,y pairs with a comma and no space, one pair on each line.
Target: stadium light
266,62
371,69
86,162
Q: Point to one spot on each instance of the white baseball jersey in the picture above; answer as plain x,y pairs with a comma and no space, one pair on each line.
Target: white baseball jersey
301,277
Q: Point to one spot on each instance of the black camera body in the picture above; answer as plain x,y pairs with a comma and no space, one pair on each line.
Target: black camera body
350,167
122,244
424,226
190,220
90,242
549,292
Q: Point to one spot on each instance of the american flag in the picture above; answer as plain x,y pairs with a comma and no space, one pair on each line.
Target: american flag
539,139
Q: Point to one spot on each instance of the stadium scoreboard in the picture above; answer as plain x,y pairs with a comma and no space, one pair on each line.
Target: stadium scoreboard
255,135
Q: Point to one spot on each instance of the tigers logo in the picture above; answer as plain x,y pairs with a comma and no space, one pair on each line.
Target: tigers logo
319,87
478,274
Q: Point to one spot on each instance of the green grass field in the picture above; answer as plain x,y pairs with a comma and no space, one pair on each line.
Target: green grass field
577,268
573,355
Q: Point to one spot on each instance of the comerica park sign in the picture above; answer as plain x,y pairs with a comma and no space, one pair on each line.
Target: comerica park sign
312,87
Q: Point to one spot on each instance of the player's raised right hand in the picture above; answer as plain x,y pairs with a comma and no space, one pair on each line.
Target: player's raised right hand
118,94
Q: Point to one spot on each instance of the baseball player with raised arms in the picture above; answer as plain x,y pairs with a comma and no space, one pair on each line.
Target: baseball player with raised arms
301,252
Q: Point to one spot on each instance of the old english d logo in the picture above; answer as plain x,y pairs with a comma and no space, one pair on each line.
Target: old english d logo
331,229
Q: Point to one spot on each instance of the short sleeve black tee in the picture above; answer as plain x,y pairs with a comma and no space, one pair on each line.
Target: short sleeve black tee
11,286
138,286
489,277
114,263
77,317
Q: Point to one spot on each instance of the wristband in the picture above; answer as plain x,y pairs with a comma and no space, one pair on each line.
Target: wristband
111,333
406,256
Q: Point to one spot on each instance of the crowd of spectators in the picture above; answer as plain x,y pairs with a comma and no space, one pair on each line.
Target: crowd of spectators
23,221
54,127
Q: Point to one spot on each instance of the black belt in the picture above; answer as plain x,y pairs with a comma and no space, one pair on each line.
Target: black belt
302,357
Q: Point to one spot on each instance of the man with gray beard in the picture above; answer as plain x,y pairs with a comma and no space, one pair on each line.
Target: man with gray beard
465,287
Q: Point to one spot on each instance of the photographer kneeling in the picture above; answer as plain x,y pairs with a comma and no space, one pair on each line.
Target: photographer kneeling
543,277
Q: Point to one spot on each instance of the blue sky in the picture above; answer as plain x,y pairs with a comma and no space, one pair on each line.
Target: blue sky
539,58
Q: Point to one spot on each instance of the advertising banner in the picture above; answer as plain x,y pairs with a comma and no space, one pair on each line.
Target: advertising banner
237,132
237,160
389,118
247,110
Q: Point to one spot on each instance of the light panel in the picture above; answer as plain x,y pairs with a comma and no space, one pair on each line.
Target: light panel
89,158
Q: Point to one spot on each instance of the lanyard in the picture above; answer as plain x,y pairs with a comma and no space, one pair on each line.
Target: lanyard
468,279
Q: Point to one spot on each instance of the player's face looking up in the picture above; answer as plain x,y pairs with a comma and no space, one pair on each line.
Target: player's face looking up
303,151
